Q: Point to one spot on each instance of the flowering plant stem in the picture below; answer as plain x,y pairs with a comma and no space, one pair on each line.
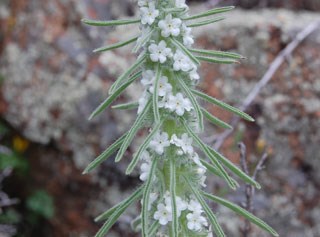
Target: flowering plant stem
172,199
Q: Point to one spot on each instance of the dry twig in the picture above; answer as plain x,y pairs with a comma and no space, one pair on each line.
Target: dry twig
249,189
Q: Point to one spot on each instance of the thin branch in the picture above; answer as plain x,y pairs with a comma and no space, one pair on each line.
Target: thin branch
249,189
274,66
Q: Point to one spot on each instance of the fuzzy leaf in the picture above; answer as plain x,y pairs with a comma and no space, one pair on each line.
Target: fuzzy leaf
237,171
217,60
222,105
113,96
216,226
193,100
206,22
105,155
142,148
109,23
154,227
155,96
118,212
132,132
142,41
215,120
126,74
185,50
115,46
210,12
205,149
239,210
146,197
216,172
126,106
219,54
105,215
175,220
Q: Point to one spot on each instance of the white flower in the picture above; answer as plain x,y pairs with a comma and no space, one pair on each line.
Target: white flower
153,197
164,87
196,221
163,214
143,101
181,204
160,142
160,52
181,62
170,26
145,156
147,77
181,4
184,142
145,169
186,35
148,14
196,159
194,75
178,104
195,206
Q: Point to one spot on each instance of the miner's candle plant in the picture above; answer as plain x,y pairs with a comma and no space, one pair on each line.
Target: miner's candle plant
172,195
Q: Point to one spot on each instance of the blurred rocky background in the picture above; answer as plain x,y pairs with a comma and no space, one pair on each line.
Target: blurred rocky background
50,81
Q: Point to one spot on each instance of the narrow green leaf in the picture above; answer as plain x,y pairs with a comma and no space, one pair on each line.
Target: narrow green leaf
185,50
132,198
146,198
206,22
205,149
115,46
222,105
210,12
237,171
216,172
175,222
142,41
105,155
242,212
109,23
113,96
132,132
155,96
216,60
219,54
142,148
126,74
135,224
154,227
215,120
193,100
217,228
174,10
117,213
126,106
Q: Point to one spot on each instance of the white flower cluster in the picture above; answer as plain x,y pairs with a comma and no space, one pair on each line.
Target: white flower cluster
162,29
162,51
184,147
192,211
174,103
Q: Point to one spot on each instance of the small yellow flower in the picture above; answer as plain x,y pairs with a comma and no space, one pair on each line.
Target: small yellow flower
260,145
20,144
